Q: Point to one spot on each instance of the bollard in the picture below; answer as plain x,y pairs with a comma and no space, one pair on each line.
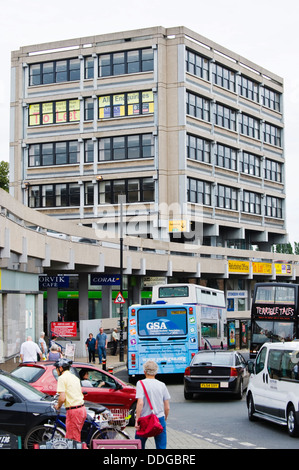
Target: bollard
104,364
110,370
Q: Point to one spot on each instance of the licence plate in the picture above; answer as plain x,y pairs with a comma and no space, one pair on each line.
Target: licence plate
209,385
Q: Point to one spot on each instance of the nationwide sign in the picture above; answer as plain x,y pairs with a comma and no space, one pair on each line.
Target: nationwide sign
53,281
108,280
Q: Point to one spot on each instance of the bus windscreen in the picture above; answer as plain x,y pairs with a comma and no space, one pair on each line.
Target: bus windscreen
162,321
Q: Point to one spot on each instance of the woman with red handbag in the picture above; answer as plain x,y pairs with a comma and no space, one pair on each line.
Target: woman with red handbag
152,403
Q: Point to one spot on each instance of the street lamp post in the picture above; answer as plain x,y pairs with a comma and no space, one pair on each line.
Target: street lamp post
121,200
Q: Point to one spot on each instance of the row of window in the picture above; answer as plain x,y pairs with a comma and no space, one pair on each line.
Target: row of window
142,146
115,63
142,190
109,106
68,194
224,116
227,157
109,149
227,78
226,197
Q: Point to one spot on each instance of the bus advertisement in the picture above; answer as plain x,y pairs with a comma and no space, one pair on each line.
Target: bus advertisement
274,314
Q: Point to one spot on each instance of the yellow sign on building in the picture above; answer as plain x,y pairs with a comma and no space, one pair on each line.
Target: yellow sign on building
177,226
235,266
261,268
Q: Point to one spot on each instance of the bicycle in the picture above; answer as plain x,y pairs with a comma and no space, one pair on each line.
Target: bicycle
99,424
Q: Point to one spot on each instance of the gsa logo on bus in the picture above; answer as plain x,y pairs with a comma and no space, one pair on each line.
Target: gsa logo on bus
156,325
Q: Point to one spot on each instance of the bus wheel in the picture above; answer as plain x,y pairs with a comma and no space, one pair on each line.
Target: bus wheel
293,428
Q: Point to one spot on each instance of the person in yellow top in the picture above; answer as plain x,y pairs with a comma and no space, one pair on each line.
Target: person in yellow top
70,394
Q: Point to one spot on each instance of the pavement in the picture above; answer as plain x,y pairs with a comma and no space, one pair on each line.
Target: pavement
175,439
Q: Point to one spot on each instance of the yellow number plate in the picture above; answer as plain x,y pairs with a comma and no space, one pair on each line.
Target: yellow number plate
209,385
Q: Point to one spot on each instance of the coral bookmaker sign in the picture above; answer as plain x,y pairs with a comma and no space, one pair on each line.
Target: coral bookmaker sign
100,280
64,328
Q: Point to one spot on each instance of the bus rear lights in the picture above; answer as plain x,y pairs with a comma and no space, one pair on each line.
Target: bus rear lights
190,310
192,354
133,312
133,359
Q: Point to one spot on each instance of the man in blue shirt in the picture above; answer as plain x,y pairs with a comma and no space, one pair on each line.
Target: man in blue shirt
101,344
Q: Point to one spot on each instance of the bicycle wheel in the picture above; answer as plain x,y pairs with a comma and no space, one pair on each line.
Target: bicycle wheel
108,433
42,433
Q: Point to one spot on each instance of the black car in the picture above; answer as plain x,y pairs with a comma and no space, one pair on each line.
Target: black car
21,406
216,371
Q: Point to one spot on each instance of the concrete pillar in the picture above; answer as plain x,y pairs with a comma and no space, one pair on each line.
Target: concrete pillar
83,296
52,307
106,302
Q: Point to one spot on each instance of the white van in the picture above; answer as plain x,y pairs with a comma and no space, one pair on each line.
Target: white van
273,389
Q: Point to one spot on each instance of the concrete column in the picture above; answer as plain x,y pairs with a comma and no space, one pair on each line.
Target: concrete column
83,296
106,302
52,307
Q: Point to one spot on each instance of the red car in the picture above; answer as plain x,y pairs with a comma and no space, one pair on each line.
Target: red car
98,386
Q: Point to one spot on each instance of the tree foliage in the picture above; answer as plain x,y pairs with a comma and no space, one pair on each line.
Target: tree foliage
4,178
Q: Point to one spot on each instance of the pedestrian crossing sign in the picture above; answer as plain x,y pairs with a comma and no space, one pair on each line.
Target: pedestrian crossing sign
119,299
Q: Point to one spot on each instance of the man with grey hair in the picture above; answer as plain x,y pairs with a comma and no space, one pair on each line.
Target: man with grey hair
159,397
29,351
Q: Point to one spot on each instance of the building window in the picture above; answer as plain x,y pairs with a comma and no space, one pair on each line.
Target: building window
249,89
56,153
273,170
198,106
54,112
135,190
88,109
121,63
54,72
225,117
198,149
126,104
54,195
250,164
197,65
224,77
249,126
126,147
251,202
273,207
226,197
199,192
88,194
272,135
88,67
226,157
88,151
271,99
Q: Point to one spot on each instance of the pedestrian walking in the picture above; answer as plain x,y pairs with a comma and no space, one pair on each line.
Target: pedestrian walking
101,345
159,397
43,346
90,345
54,353
115,341
29,351
70,394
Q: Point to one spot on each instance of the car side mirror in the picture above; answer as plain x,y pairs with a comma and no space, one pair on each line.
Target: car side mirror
118,386
9,398
251,367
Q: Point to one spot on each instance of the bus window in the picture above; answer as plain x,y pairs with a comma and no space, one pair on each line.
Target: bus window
265,294
162,321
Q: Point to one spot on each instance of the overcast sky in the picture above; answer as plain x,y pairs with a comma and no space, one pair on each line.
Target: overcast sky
263,31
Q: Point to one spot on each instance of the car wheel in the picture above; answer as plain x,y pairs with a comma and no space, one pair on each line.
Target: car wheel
188,395
240,391
250,406
293,428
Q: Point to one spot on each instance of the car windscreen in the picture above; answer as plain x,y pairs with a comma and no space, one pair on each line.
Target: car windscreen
215,359
28,373
21,388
